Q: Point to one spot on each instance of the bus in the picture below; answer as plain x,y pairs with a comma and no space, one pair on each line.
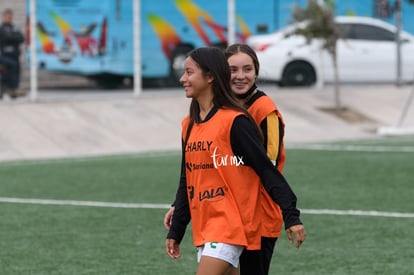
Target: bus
94,38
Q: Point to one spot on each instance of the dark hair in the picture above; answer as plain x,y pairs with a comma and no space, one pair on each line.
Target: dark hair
7,11
243,48
212,60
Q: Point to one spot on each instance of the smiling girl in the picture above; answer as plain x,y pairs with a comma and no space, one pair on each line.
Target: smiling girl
244,67
220,184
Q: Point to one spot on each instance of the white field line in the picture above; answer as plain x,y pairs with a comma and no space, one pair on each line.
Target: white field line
85,203
353,148
167,206
80,159
357,213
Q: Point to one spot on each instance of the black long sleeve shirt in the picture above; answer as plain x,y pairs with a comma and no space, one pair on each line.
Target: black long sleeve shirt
244,142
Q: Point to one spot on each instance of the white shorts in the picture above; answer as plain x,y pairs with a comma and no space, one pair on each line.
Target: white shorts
226,252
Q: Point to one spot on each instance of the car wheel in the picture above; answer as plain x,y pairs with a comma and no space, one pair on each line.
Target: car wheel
298,74
177,62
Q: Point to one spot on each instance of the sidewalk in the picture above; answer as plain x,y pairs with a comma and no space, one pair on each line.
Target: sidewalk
71,123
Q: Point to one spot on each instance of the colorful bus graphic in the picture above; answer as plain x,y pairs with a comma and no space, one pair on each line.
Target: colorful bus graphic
94,38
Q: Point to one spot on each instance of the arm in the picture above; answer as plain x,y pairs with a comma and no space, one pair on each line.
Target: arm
273,131
14,36
168,216
245,142
181,217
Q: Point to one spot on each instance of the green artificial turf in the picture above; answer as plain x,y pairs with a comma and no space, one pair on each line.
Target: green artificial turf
67,239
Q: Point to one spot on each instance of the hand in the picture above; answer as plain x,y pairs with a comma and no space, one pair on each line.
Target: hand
299,233
172,248
168,218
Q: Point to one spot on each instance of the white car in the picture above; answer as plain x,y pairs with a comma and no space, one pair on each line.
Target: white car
367,52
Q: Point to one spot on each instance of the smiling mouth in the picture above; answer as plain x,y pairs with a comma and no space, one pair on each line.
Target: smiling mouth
240,85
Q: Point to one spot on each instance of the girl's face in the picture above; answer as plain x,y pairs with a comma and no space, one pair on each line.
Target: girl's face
243,73
195,83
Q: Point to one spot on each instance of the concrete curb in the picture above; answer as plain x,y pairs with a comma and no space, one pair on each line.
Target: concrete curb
72,123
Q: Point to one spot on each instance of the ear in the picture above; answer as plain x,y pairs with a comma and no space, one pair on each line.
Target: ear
210,78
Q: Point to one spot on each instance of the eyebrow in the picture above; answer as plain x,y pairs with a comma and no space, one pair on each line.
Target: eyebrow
248,65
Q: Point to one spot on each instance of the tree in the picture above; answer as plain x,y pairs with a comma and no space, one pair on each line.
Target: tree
320,25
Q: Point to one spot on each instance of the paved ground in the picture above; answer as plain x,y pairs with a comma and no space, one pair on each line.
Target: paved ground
69,123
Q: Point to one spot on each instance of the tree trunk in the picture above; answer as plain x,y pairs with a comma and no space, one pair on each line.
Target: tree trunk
336,81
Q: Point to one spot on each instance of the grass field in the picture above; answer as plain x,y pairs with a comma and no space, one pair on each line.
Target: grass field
65,230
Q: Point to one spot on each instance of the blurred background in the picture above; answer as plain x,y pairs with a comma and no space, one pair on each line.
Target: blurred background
84,50
91,42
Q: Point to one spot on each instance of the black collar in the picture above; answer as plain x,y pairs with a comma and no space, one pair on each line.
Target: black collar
209,115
